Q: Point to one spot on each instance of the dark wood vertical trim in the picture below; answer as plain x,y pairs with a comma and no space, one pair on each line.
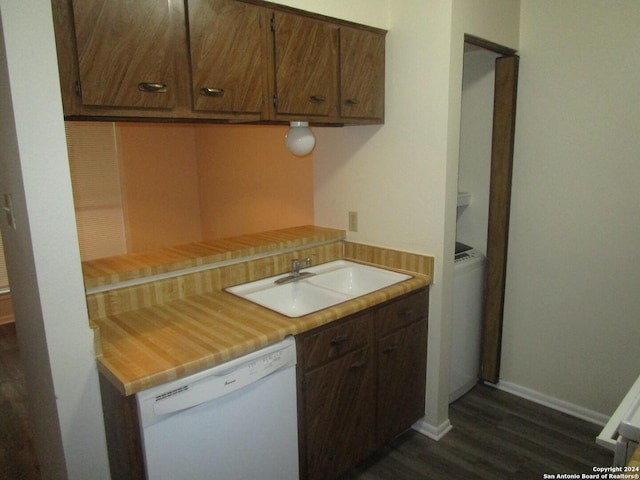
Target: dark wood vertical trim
487,45
124,443
504,116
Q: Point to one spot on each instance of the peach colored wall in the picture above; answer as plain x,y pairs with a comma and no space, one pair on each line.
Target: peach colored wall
159,185
249,182
184,183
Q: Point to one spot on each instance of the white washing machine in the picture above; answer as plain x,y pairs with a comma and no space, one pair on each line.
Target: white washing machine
468,307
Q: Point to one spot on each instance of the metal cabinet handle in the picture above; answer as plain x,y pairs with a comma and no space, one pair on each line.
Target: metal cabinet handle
352,102
317,99
405,313
339,340
152,87
388,349
212,92
358,364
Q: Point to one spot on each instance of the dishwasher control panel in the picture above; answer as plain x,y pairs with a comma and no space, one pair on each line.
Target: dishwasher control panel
156,403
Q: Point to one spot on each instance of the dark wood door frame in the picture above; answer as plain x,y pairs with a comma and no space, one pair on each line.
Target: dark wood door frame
504,117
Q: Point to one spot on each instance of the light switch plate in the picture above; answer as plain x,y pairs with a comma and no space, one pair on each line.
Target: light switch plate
7,207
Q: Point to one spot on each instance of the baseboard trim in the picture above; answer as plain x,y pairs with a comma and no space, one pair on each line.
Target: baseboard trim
432,431
552,402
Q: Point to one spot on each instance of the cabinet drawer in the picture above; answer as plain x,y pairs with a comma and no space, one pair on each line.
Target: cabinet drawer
335,341
402,312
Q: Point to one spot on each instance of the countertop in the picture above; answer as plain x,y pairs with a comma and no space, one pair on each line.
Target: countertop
162,329
153,345
122,268
635,460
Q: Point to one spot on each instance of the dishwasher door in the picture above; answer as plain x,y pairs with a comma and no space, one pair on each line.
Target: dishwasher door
235,421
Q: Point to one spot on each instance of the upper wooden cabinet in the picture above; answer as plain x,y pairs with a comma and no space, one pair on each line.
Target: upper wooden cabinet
361,74
306,57
228,46
126,53
216,60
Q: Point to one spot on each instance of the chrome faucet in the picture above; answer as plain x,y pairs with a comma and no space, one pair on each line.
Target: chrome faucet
296,265
296,274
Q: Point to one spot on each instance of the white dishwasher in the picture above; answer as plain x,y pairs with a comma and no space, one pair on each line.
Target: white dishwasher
236,421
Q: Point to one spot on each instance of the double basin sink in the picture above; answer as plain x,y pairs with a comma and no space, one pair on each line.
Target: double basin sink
318,287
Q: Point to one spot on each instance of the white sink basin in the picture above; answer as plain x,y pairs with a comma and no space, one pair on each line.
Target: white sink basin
295,299
333,283
356,280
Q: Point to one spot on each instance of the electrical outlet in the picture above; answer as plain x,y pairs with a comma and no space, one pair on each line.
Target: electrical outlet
353,221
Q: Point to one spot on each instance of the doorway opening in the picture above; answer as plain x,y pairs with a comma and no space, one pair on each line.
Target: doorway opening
484,184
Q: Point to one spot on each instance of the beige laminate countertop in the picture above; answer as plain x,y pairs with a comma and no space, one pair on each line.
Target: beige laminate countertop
635,460
121,268
164,314
153,345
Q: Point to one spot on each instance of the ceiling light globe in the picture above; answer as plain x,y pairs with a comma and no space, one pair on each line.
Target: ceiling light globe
299,139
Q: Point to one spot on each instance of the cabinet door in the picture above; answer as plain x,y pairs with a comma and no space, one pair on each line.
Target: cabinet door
361,74
126,52
229,43
306,55
401,379
339,414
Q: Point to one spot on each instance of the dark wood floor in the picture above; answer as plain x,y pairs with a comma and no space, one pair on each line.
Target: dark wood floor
495,436
17,458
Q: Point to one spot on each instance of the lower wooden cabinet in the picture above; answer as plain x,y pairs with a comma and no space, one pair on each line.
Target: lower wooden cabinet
361,382
339,413
401,366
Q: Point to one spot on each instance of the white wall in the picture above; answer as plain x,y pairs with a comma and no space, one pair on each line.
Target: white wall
368,12
395,176
401,178
572,312
474,169
43,260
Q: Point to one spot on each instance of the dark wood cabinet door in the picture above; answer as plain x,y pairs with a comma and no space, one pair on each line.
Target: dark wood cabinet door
126,52
339,411
306,56
361,74
229,49
401,379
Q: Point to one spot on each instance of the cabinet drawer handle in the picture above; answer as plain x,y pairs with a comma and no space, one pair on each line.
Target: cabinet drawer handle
388,349
212,92
317,99
352,101
405,313
358,364
152,87
339,340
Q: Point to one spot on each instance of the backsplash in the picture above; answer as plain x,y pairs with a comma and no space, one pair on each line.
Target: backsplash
113,302
132,282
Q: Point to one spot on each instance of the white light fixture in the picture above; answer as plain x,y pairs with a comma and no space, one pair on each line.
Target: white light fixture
299,139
